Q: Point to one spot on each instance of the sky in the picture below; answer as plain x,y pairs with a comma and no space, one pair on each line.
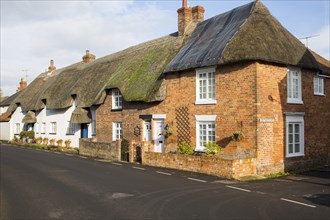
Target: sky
36,31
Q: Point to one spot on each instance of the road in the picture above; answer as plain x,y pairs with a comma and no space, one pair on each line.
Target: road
46,185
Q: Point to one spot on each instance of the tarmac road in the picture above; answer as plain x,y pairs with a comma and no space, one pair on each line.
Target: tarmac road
46,185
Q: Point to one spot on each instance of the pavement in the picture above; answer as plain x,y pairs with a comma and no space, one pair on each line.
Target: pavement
38,184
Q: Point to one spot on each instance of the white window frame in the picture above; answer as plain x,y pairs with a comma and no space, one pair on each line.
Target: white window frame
295,120
71,129
292,87
17,128
204,120
117,99
318,85
43,128
117,131
36,128
208,99
53,128
93,127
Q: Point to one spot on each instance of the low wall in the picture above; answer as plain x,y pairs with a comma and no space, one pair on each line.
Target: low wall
90,147
202,164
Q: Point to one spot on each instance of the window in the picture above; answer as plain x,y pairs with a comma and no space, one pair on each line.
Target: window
294,136
294,93
116,99
205,86
318,86
116,131
94,127
43,128
52,128
205,130
71,129
17,128
37,128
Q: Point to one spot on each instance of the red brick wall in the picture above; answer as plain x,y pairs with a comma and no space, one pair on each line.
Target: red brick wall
272,103
235,109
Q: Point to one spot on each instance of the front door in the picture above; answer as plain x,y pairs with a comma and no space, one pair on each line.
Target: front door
84,131
147,131
159,138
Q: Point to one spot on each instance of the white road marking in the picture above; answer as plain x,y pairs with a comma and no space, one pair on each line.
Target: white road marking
83,157
160,172
139,168
198,180
118,164
233,187
106,161
300,203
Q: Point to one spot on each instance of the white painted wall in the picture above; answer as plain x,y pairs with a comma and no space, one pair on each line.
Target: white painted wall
60,116
4,126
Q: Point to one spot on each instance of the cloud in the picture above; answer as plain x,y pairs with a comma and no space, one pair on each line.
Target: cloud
33,32
321,43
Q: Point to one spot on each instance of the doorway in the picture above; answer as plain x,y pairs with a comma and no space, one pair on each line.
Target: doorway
84,131
159,137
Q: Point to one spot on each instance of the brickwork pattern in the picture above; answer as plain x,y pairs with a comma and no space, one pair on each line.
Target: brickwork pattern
91,148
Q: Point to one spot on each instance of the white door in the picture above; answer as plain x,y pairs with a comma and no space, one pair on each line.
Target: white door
159,138
147,131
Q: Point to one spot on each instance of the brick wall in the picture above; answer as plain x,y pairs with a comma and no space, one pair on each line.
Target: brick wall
110,151
272,103
202,164
235,110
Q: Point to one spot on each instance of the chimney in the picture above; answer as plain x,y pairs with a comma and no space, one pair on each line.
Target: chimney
187,15
88,57
22,85
198,13
51,67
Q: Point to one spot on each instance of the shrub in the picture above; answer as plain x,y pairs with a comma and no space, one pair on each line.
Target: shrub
22,134
212,149
30,134
185,148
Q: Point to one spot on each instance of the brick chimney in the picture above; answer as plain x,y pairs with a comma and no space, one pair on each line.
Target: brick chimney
51,67
187,15
88,57
22,85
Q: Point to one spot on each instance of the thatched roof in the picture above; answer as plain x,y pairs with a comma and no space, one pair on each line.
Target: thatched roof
30,117
8,100
324,64
136,72
246,33
80,116
5,117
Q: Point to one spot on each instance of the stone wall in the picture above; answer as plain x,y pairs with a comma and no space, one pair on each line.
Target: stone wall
89,147
202,164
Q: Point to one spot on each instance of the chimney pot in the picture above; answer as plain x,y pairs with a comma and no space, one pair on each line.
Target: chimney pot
88,57
51,67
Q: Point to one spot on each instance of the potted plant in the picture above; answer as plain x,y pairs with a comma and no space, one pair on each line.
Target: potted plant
237,136
59,142
52,141
23,136
38,140
45,141
67,143
30,135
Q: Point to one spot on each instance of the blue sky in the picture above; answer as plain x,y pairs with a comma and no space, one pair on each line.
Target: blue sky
34,32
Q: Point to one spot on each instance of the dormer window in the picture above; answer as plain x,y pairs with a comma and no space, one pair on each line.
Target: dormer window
205,86
117,102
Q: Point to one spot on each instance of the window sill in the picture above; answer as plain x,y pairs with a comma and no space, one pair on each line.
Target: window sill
295,155
116,109
52,133
69,134
205,102
319,94
298,102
